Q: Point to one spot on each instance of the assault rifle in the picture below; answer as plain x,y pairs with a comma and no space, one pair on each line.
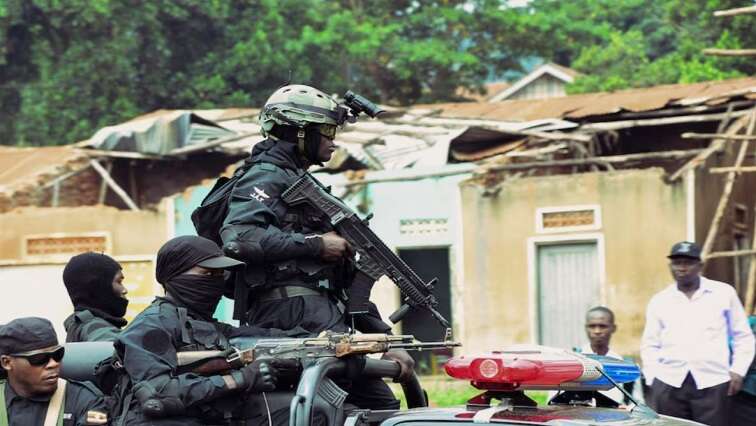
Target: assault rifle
310,352
372,258
245,350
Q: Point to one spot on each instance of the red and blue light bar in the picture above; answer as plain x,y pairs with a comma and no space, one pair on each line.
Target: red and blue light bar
540,367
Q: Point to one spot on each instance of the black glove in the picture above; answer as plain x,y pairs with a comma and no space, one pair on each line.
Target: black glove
263,375
259,376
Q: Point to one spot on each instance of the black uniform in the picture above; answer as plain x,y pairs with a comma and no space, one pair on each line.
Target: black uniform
82,399
285,283
91,325
282,256
148,350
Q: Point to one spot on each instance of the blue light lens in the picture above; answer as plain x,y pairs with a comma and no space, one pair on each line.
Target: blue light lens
620,371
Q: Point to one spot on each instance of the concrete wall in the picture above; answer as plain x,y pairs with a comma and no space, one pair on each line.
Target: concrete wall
33,286
640,217
130,232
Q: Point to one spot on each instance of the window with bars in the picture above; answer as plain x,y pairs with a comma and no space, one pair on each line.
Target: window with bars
571,218
64,245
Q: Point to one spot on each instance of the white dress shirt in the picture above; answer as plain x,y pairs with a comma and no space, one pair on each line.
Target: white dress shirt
615,394
691,335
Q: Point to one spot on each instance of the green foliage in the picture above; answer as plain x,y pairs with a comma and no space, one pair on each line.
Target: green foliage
69,67
637,43
447,392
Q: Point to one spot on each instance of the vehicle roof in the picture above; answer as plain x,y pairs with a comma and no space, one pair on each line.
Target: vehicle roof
548,415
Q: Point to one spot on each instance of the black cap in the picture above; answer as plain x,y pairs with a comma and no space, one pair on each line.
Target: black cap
685,249
26,334
182,253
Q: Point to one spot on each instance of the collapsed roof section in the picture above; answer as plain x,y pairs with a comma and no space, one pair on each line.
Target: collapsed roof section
601,106
172,133
635,128
138,160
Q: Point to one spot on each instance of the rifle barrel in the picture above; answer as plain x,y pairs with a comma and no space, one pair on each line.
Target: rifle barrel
421,346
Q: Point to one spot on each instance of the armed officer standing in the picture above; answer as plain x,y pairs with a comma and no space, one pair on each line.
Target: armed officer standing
34,394
95,284
154,390
297,267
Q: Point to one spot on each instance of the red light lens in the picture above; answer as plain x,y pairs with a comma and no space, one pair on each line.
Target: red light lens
488,368
523,369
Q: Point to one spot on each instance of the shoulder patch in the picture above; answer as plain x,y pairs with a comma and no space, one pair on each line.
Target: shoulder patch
96,418
259,194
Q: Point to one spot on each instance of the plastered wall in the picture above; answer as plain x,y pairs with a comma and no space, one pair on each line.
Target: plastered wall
641,216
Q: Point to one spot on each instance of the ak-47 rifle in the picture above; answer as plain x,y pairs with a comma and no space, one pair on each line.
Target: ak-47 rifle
307,351
338,345
372,258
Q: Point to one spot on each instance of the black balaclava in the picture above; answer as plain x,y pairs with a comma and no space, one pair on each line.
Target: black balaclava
287,136
200,294
312,145
89,280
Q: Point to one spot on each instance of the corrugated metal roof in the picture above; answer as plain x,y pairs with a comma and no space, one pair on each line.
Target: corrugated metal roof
491,89
159,133
569,71
601,103
208,114
20,166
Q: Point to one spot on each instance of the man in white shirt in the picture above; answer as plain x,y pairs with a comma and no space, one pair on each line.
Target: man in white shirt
697,344
599,327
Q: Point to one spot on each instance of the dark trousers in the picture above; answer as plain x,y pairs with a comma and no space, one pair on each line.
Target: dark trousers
709,406
372,394
743,409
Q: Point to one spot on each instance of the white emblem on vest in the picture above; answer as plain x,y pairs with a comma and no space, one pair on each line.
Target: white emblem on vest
259,195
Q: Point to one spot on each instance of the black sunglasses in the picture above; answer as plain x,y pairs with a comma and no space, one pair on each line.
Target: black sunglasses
42,358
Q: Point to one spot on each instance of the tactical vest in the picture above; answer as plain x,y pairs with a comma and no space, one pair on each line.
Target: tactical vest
304,272
4,421
198,335
195,335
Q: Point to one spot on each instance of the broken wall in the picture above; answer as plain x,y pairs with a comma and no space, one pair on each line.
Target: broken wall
31,272
129,232
640,217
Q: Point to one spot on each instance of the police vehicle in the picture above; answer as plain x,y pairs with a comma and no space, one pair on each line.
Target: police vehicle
501,376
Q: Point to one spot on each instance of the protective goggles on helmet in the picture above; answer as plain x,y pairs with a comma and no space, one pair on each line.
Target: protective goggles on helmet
327,130
37,358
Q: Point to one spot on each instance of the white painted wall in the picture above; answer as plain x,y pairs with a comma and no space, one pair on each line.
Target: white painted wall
34,290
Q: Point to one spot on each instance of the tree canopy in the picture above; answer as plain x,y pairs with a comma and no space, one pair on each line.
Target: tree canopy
69,67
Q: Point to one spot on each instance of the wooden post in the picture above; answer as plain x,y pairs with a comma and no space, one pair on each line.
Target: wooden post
113,185
734,253
55,194
104,184
730,52
691,135
735,11
714,146
742,169
726,192
751,286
